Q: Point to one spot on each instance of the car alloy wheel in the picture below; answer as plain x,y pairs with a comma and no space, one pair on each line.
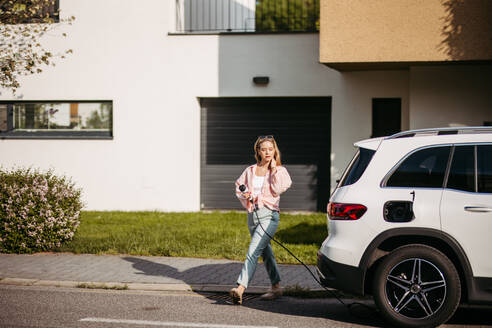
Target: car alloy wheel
416,286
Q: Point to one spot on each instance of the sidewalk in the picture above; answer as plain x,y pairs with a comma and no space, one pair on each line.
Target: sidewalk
140,272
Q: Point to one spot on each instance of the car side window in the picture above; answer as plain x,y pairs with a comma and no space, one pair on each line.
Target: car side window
424,168
484,166
462,172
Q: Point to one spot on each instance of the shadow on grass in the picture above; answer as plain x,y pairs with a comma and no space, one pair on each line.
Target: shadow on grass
303,233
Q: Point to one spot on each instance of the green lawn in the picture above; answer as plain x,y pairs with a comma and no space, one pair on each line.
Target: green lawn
198,234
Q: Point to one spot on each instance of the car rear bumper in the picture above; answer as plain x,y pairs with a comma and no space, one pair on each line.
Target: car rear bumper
340,276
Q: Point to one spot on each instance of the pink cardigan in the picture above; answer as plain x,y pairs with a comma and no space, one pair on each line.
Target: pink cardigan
274,185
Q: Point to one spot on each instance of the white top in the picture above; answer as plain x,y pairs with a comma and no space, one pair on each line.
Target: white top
257,185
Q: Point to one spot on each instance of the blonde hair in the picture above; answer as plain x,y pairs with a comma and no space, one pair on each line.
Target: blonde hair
257,146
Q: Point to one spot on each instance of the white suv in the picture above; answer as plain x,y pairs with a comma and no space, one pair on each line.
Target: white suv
410,222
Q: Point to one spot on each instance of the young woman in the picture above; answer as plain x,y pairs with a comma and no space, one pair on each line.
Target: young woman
265,181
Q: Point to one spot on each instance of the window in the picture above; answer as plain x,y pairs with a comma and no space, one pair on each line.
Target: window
29,11
424,168
386,116
484,165
3,118
358,166
56,119
462,172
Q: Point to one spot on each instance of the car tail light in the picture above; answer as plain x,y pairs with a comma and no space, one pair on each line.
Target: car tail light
339,211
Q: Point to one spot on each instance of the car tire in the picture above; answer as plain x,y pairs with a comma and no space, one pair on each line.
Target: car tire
416,286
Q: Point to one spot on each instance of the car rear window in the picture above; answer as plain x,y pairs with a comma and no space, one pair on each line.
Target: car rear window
357,166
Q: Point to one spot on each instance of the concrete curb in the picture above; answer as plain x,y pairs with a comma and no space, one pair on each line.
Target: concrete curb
128,286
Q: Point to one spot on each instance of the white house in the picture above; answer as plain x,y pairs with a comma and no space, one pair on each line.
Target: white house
183,88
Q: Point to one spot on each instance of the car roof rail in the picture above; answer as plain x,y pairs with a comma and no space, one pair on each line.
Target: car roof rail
442,131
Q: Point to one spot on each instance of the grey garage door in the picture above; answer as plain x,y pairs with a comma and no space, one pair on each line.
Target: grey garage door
301,126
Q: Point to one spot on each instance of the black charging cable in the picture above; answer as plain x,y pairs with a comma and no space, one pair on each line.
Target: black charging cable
349,306
298,260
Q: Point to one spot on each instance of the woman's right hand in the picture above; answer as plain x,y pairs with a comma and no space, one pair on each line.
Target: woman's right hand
247,194
273,165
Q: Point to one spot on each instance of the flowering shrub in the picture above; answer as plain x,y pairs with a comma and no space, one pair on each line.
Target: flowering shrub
38,211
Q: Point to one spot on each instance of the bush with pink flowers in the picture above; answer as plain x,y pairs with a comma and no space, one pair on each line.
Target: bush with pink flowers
38,210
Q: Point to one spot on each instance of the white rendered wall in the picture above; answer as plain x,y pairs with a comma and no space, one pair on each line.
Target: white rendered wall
450,96
291,62
123,53
352,117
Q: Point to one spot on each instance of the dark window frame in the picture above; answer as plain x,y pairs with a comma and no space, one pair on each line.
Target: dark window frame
75,134
476,167
475,146
476,173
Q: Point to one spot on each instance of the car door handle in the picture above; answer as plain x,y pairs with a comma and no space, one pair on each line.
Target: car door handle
480,209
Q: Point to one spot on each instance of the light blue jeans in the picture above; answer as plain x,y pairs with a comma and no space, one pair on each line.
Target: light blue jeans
260,245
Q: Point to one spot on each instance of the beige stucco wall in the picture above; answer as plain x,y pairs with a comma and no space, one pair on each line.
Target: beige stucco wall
353,31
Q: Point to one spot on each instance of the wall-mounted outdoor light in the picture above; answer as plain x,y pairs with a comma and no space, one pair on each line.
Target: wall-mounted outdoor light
261,80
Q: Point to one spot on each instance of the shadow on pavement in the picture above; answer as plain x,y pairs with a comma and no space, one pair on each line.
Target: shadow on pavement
472,317
328,308
212,273
215,273
332,310
323,308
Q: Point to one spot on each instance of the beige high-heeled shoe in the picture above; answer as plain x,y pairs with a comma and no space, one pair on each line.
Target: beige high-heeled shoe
237,298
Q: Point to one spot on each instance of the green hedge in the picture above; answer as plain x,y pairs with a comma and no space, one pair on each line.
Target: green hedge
38,210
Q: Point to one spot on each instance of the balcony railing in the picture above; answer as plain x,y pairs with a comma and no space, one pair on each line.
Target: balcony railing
204,16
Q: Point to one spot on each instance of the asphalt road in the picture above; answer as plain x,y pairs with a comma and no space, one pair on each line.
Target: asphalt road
59,307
